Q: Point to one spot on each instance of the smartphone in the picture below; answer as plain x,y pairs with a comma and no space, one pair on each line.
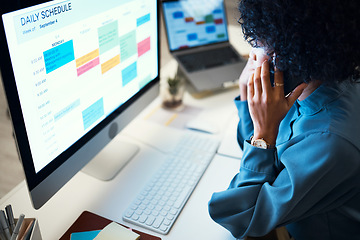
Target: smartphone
289,83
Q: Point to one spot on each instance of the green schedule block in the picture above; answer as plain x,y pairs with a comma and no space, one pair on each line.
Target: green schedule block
108,36
128,45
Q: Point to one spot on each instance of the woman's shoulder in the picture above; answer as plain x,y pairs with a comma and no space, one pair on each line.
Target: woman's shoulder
344,115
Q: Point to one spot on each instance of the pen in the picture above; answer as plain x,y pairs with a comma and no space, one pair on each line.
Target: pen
10,216
5,225
17,227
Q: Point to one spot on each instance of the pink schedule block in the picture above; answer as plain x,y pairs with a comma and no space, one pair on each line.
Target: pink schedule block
86,67
143,46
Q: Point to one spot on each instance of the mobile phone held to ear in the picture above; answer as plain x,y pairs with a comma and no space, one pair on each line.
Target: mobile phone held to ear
289,83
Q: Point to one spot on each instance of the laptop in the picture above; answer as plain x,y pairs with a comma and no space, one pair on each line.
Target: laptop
198,39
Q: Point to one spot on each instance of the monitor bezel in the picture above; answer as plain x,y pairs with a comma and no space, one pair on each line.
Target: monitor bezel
98,136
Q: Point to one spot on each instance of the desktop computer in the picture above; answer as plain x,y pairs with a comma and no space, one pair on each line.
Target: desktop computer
75,72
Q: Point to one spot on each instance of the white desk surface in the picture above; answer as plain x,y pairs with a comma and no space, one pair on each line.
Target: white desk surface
110,199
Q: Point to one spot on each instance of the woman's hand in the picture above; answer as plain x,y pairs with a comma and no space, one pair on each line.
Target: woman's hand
267,104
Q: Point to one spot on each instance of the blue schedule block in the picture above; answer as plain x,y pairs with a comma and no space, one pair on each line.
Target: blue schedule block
210,29
141,20
217,11
129,73
192,36
178,15
93,113
66,110
58,56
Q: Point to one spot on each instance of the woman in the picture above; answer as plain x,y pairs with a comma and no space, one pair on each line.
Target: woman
301,162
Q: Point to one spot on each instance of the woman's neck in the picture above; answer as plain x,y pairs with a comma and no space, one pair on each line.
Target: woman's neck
311,87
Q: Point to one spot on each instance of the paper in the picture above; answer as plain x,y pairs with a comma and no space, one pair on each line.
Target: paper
172,118
90,235
114,231
229,145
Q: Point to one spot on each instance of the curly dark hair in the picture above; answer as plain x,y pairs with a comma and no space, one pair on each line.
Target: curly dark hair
312,39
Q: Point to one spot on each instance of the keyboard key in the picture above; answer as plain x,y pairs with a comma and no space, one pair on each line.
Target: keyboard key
158,222
143,218
150,220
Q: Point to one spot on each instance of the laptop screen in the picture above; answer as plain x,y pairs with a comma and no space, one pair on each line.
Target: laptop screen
193,23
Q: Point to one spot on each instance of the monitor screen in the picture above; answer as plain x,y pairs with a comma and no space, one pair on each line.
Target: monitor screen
73,68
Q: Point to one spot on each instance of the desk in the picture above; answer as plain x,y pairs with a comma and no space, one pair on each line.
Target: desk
110,199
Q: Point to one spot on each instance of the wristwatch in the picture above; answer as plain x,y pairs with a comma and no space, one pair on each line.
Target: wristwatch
260,143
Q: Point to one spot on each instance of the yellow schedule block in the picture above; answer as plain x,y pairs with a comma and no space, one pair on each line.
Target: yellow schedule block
86,58
109,64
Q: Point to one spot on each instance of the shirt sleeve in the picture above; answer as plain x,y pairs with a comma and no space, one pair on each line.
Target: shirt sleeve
245,126
313,180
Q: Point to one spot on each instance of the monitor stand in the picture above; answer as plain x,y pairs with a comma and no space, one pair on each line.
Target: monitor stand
110,160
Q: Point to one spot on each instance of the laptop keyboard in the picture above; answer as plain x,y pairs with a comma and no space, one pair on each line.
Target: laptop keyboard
208,59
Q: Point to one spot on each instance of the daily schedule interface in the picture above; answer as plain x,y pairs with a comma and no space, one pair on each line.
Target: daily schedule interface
75,64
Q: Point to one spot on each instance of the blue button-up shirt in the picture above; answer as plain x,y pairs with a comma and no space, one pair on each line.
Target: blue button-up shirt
310,182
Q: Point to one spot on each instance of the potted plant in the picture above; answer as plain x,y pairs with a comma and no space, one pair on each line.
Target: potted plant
172,92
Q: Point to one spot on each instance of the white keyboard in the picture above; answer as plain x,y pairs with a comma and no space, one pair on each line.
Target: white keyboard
160,202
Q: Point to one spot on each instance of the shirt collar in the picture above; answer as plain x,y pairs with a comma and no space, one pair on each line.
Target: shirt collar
322,96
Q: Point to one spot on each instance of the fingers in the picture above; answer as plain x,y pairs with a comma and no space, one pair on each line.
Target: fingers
252,55
250,87
261,80
279,81
258,82
265,77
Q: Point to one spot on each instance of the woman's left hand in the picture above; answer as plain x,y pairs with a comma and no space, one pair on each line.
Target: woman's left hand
268,104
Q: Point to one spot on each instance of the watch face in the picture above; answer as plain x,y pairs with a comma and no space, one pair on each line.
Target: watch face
260,143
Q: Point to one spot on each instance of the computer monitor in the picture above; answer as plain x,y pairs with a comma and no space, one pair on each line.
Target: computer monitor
75,72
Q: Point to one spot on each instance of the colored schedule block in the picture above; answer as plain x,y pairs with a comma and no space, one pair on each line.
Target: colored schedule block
218,21
87,66
178,15
129,73
209,18
221,35
143,46
192,36
128,46
93,113
141,20
66,110
217,11
109,64
59,56
189,19
87,57
180,31
108,36
210,29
